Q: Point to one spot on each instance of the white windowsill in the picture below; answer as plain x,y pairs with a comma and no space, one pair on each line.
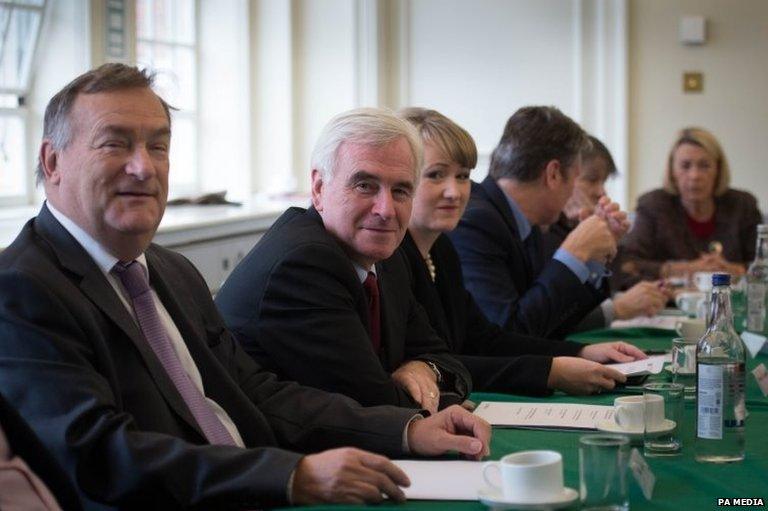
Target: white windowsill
183,225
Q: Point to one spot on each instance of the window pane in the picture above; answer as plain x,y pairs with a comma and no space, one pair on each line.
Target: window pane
161,20
9,100
183,176
175,72
144,25
184,30
37,3
12,147
16,51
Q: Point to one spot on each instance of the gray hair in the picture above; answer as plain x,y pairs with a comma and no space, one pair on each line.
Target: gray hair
105,78
370,126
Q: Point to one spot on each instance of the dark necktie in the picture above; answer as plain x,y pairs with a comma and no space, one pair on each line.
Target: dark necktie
136,283
534,249
371,286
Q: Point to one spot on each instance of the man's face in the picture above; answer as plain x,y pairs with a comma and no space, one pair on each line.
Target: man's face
561,188
112,177
367,203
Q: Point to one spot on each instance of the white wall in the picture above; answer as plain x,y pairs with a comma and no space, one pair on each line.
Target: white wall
734,104
224,91
324,72
476,61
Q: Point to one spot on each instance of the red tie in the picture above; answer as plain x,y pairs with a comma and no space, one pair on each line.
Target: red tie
374,314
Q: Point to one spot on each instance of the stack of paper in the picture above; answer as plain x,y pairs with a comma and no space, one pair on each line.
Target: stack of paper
443,480
660,321
544,415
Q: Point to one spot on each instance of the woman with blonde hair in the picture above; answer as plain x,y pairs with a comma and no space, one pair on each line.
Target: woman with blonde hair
696,222
498,361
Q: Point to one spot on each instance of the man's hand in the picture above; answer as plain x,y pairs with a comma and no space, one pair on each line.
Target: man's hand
591,240
611,212
347,476
453,429
420,382
617,351
644,298
581,377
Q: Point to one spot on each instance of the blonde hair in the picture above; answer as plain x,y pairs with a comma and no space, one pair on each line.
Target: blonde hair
707,141
452,140
371,126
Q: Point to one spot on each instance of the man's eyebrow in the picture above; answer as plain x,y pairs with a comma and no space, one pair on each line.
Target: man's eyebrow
361,175
112,129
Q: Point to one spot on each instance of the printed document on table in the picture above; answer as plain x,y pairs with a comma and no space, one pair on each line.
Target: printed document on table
442,480
544,415
661,321
650,365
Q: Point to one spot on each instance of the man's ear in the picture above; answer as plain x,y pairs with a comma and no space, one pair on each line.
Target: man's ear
552,173
317,189
48,158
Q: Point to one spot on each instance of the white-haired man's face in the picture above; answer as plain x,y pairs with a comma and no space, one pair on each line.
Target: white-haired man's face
367,204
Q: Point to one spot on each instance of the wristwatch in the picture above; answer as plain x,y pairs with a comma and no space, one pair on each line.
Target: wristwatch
436,370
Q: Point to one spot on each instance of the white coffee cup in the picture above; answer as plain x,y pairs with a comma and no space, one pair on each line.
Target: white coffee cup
690,301
528,476
691,328
703,280
630,414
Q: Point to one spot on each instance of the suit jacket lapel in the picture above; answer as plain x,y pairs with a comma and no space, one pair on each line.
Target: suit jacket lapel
95,286
390,350
499,200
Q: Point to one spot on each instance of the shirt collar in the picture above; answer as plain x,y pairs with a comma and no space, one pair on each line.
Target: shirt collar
101,256
362,273
523,225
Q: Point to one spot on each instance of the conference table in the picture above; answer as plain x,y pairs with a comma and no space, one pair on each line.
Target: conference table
681,483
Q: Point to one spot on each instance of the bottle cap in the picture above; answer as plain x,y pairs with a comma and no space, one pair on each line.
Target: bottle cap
762,229
721,279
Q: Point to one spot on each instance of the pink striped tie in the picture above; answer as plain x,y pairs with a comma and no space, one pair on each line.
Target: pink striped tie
136,283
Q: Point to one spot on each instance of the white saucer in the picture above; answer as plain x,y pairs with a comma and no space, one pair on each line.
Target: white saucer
496,500
609,426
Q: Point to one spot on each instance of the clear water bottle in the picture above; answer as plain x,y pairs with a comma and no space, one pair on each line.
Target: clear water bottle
757,285
720,380
739,303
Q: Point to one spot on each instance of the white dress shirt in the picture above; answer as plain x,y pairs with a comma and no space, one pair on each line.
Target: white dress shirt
106,262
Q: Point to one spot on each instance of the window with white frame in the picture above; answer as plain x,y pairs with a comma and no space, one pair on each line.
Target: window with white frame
20,22
166,42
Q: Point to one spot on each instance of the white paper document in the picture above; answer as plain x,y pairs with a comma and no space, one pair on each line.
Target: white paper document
661,321
650,365
442,480
544,415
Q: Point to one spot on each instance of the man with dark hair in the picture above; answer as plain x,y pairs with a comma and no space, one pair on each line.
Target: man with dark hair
644,298
114,353
531,177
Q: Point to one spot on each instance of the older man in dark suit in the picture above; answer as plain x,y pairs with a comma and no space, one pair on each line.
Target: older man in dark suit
116,356
325,296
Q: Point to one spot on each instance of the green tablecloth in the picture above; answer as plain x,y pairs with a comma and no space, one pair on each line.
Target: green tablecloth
681,483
